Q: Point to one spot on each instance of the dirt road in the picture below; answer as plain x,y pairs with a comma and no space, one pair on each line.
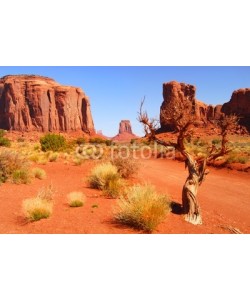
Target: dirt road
225,194
224,198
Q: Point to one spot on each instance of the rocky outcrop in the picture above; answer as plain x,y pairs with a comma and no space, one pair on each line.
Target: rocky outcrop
182,96
125,126
239,105
125,132
37,103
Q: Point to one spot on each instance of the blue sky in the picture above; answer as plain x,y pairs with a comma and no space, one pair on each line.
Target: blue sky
115,92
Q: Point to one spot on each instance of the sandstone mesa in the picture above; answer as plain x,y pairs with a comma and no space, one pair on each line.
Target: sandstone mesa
37,103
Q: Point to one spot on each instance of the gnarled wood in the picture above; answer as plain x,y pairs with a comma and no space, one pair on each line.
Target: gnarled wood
196,167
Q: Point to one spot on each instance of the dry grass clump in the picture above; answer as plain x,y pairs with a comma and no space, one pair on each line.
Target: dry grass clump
114,186
41,206
53,157
76,199
12,163
39,173
21,176
142,208
105,177
101,175
126,167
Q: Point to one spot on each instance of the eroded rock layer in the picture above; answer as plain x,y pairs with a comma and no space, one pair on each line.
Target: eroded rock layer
37,103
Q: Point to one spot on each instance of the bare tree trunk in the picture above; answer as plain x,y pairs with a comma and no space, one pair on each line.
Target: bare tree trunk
190,205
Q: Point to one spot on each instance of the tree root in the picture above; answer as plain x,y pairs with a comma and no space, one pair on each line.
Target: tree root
193,219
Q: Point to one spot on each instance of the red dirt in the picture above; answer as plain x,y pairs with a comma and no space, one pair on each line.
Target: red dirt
224,199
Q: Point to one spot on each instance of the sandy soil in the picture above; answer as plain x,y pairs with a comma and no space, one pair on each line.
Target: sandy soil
224,198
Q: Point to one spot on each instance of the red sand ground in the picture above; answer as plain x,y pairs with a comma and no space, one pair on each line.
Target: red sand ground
224,198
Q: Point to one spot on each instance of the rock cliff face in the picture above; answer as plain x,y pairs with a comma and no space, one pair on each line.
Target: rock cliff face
239,104
182,96
125,132
37,103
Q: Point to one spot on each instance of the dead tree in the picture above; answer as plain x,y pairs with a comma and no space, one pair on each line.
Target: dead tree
183,120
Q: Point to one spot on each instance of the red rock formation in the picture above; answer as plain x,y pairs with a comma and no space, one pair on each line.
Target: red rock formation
125,132
125,126
239,104
182,95
37,103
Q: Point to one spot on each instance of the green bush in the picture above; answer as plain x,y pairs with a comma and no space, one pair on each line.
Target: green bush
53,142
142,208
2,133
97,140
80,141
4,141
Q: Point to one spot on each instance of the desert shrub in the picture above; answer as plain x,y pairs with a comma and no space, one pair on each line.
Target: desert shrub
108,142
97,140
113,187
10,162
3,140
2,132
242,160
39,173
46,192
53,157
37,147
34,157
80,141
53,142
43,160
78,161
21,176
41,206
142,208
236,158
101,175
216,141
126,167
76,199
36,209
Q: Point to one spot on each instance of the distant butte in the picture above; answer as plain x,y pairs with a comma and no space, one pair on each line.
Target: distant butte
125,132
38,103
184,96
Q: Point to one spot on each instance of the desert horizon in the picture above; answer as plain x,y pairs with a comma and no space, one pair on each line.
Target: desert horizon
59,174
